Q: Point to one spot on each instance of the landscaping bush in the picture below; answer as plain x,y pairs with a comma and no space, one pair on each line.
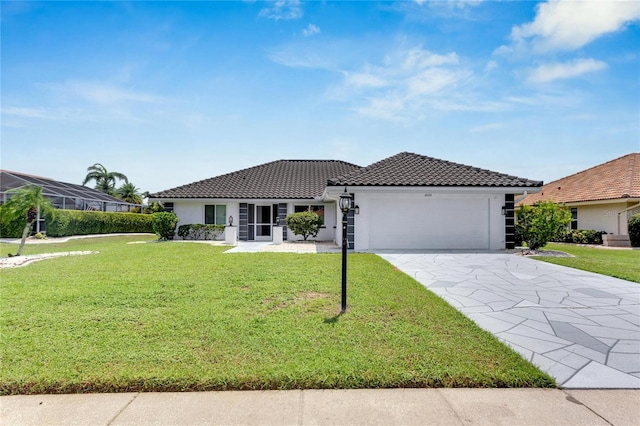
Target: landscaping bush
581,236
199,231
542,222
634,230
304,223
79,222
164,224
11,227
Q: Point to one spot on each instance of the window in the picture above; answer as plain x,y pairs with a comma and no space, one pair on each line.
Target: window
319,210
574,218
215,214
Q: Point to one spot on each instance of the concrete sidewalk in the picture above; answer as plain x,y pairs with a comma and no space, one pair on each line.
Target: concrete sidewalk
330,407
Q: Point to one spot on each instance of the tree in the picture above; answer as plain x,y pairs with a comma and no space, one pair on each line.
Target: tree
304,223
129,193
540,223
26,204
104,179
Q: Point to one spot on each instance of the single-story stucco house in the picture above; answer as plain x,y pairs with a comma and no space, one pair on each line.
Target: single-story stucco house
601,198
407,201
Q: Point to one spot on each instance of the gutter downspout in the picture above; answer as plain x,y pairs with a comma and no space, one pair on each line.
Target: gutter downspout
520,198
625,210
325,196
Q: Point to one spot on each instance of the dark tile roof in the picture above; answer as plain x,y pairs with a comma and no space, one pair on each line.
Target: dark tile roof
615,179
408,169
282,179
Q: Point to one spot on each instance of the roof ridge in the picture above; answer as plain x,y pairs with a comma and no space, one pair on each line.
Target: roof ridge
24,174
632,154
390,171
628,181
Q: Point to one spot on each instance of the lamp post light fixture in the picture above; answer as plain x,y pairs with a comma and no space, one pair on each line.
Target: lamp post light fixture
345,206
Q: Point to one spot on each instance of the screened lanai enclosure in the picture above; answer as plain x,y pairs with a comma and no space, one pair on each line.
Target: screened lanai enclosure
68,196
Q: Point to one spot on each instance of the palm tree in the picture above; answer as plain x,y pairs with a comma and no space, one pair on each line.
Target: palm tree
129,193
105,180
26,203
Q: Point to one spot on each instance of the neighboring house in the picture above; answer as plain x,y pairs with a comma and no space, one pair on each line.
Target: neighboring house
407,201
63,195
601,198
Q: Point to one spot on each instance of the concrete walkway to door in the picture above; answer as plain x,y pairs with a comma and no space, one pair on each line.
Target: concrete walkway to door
581,328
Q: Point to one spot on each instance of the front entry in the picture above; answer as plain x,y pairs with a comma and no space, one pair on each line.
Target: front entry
257,221
263,223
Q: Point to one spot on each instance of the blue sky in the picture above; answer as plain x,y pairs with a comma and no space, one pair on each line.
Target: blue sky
173,92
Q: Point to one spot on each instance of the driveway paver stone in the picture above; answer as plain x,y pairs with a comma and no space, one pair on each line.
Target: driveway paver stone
580,327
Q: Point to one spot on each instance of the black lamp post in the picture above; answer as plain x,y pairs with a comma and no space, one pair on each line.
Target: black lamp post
345,205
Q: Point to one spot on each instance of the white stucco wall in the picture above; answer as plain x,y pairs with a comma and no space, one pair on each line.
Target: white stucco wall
326,233
603,217
193,212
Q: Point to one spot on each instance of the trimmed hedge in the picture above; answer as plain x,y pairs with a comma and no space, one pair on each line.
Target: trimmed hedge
199,231
11,228
634,230
582,236
79,222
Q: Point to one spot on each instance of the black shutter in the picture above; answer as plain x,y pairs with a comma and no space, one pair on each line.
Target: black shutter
243,222
509,222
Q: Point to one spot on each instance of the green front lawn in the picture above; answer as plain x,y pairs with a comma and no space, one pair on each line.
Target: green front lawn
185,316
623,264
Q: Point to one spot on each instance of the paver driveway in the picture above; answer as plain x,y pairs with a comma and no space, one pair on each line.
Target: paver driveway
581,328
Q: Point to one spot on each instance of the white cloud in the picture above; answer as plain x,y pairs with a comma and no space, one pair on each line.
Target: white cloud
419,58
454,4
310,30
283,9
102,94
569,25
405,84
364,79
554,71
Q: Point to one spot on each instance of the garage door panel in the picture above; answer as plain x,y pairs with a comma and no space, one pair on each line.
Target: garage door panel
430,224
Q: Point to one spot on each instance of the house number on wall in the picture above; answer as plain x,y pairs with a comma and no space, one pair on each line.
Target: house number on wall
609,213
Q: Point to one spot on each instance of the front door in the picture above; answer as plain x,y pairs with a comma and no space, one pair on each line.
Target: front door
263,223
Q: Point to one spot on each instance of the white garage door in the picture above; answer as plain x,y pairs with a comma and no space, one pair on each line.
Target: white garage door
429,223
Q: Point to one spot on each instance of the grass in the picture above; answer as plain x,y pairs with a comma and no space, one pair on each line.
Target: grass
185,317
623,264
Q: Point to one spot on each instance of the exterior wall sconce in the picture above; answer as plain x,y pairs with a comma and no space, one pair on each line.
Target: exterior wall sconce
230,220
504,210
356,209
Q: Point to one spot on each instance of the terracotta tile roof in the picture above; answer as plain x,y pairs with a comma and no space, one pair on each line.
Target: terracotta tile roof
615,179
408,169
282,179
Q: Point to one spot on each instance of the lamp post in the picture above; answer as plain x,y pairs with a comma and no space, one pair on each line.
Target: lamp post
345,205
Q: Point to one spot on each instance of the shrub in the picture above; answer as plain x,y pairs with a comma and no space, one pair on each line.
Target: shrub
164,224
542,222
199,231
304,223
634,230
154,207
79,222
581,236
11,227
